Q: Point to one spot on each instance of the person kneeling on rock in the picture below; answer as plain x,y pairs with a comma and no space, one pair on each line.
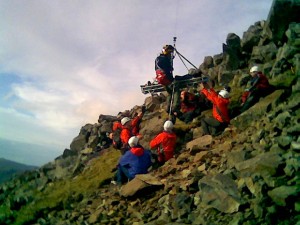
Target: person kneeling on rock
135,161
165,143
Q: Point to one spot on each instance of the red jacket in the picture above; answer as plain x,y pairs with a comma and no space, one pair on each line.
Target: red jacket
125,135
167,141
117,125
218,101
260,82
188,104
135,124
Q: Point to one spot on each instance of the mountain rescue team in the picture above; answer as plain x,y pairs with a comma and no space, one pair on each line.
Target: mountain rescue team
136,160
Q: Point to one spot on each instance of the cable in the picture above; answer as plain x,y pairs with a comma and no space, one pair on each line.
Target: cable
176,18
180,55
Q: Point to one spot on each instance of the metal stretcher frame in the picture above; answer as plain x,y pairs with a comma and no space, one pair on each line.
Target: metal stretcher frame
156,88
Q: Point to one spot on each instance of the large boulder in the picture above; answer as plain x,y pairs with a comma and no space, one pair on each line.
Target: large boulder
140,182
257,111
251,37
282,13
220,192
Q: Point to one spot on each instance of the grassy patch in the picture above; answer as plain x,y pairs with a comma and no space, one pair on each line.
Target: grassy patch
62,194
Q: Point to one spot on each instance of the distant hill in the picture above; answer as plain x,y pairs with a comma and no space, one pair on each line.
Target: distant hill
9,168
27,153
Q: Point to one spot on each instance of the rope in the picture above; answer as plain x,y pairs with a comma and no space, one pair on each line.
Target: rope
183,62
176,18
180,55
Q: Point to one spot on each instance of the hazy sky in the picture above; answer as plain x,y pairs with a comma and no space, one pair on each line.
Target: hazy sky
63,63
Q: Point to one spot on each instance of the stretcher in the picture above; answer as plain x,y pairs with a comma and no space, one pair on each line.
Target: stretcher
152,88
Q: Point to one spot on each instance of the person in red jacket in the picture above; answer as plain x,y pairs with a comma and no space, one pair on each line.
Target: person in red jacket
260,87
117,125
220,120
130,127
126,134
189,107
165,142
136,121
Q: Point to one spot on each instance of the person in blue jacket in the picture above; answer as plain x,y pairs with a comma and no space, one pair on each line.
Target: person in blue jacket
135,161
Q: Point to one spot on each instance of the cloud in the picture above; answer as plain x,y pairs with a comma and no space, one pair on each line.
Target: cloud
71,61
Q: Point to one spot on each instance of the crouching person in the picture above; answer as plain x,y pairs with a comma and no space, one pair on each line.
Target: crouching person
215,125
165,143
135,161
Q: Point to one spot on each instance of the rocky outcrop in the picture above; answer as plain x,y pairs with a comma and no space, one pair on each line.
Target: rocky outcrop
282,13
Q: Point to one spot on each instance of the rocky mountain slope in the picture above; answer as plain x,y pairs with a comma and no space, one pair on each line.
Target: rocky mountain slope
247,175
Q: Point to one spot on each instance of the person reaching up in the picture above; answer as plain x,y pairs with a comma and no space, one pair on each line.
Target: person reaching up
136,121
125,134
165,142
220,120
125,129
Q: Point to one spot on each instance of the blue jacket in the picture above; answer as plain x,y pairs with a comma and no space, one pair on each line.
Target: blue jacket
164,63
136,160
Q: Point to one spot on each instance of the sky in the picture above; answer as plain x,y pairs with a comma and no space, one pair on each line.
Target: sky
63,63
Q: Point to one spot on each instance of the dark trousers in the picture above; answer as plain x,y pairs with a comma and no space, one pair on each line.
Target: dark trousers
188,116
123,174
184,77
254,97
175,104
251,100
176,98
175,92
212,126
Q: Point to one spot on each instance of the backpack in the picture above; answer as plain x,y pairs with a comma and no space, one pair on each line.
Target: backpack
117,143
162,78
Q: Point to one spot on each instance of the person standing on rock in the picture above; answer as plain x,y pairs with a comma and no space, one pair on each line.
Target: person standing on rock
165,142
135,161
164,76
220,120
260,87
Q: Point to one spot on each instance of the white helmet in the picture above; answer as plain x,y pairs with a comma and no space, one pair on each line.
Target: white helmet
254,69
224,94
168,125
125,120
133,141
